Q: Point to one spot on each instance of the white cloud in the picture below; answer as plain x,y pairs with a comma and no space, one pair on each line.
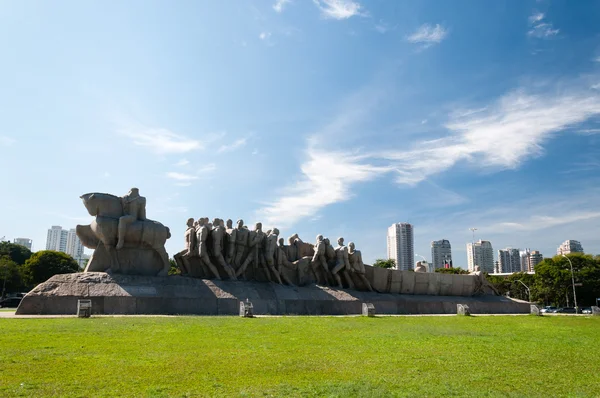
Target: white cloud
339,9
428,34
511,130
540,29
264,35
597,59
280,4
182,162
541,222
382,27
6,141
326,179
233,146
181,176
161,140
595,87
207,168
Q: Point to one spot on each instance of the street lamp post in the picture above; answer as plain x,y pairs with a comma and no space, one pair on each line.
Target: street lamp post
573,283
528,291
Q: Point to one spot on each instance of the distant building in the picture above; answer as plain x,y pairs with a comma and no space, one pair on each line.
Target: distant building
529,259
400,245
509,260
65,241
568,247
441,253
480,254
26,242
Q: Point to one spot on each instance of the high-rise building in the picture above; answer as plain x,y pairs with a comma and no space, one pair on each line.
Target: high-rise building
57,239
24,242
480,254
569,246
441,253
529,259
61,240
400,245
509,260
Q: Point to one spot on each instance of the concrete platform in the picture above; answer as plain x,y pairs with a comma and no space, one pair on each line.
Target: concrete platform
136,295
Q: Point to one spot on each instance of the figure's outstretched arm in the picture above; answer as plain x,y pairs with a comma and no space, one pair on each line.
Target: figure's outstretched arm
142,215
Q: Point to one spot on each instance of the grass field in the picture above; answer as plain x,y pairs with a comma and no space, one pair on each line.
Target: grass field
511,356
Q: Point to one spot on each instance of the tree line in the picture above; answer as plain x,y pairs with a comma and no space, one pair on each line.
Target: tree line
21,270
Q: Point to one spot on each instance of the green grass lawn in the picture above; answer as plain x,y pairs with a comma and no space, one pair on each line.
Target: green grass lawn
512,356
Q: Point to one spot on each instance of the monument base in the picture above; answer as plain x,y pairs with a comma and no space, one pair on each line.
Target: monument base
130,295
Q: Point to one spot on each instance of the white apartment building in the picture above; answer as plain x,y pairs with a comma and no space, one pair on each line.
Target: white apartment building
509,260
569,246
61,240
441,253
529,259
26,242
480,254
400,245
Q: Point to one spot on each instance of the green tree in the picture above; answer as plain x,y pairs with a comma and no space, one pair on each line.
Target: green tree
46,263
10,276
451,271
381,263
17,253
174,270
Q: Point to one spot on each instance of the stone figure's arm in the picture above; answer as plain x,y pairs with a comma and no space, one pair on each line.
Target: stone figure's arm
346,258
142,211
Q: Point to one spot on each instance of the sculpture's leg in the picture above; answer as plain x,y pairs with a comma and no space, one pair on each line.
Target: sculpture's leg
211,267
284,277
348,280
366,282
115,267
165,258
242,269
228,268
275,272
335,272
122,229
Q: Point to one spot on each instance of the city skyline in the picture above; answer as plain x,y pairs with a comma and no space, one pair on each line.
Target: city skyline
310,118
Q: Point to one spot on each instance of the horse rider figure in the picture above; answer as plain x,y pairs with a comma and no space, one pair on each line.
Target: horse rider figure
134,209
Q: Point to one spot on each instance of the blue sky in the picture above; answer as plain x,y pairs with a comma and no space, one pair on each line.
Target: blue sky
328,116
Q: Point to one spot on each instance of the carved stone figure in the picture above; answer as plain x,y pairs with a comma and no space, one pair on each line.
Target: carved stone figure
342,264
217,237
202,234
142,249
241,246
230,242
420,267
256,254
191,246
357,267
319,262
271,249
482,285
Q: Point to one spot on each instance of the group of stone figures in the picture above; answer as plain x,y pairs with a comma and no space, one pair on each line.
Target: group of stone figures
243,254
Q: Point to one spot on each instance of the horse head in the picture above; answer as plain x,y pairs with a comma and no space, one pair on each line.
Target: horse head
102,204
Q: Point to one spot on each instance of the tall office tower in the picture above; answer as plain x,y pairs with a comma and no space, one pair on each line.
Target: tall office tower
57,239
569,246
400,245
480,253
509,260
441,253
74,247
525,260
26,242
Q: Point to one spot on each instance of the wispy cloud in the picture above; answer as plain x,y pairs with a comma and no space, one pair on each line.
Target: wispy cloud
161,140
597,59
233,146
382,27
428,35
280,4
339,9
540,29
181,176
326,179
182,162
6,141
511,130
264,35
207,168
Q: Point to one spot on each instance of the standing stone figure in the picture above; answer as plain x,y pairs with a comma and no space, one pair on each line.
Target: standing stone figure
190,246
201,236
241,246
331,257
134,209
342,264
217,237
230,242
270,253
357,267
319,262
292,249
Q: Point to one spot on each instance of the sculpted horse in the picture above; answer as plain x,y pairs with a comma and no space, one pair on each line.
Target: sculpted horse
103,230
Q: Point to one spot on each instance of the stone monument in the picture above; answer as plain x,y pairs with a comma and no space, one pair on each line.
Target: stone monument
123,239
